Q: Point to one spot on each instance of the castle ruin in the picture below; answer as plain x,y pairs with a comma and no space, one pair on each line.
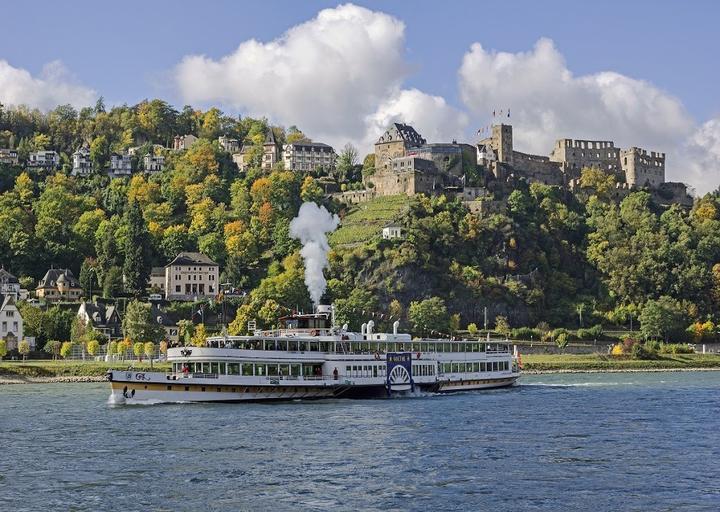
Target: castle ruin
405,163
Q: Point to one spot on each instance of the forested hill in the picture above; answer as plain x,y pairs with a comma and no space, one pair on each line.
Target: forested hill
550,258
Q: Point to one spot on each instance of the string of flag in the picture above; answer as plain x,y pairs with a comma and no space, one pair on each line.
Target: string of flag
495,113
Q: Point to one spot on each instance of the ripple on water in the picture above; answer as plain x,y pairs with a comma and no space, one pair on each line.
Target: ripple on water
557,442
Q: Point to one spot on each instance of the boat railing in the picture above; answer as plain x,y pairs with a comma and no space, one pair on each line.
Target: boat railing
176,376
276,333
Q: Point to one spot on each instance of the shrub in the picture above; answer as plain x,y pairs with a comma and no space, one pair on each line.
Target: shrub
93,346
472,329
562,340
676,348
593,333
640,351
525,333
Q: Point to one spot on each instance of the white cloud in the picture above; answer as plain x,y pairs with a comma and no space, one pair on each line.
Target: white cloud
548,102
336,76
55,86
430,115
700,157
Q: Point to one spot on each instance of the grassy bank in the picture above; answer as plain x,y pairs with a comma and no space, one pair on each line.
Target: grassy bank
555,362
366,220
33,369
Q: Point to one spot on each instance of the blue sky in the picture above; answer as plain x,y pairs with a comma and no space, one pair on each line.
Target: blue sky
121,49
641,73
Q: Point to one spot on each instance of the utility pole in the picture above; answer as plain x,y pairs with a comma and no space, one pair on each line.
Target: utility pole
485,317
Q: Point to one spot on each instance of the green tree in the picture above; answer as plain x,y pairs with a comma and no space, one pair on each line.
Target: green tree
113,283
429,316
139,325
53,347
454,323
149,350
368,168
346,163
100,152
660,318
502,326
472,329
186,329
3,349
88,277
24,348
136,269
138,349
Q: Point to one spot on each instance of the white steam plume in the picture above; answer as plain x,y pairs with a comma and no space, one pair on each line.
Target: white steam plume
310,227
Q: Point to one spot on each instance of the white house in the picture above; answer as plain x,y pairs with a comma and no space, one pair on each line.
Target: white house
9,156
191,276
44,159
120,165
11,323
392,231
9,284
309,156
153,163
228,144
82,166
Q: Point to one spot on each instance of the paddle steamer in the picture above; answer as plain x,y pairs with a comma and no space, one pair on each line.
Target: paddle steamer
310,357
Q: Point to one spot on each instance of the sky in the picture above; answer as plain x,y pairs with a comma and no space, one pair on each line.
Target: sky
640,73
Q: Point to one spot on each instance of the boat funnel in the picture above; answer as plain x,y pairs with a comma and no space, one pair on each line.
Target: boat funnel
396,324
370,326
362,329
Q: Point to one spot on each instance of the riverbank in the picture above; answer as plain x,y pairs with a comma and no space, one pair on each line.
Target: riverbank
591,363
33,372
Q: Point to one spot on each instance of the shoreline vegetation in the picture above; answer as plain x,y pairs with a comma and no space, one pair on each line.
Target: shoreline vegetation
37,372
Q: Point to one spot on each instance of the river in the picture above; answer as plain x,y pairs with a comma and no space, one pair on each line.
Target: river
605,442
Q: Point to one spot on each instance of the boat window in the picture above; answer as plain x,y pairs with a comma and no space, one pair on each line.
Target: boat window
233,368
295,370
272,370
293,346
375,371
476,367
259,369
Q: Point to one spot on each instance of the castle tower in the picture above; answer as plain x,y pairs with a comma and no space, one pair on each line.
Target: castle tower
503,142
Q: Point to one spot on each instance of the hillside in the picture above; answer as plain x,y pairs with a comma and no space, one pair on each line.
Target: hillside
365,221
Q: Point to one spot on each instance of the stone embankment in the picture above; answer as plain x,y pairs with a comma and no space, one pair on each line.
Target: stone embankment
18,379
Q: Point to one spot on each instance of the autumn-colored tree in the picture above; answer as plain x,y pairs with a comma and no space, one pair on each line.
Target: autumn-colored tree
66,349
200,336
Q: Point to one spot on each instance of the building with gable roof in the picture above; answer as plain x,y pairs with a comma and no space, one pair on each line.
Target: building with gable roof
191,276
11,323
104,318
59,285
81,164
9,284
181,142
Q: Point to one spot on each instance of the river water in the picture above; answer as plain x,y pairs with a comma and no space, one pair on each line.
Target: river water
641,441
